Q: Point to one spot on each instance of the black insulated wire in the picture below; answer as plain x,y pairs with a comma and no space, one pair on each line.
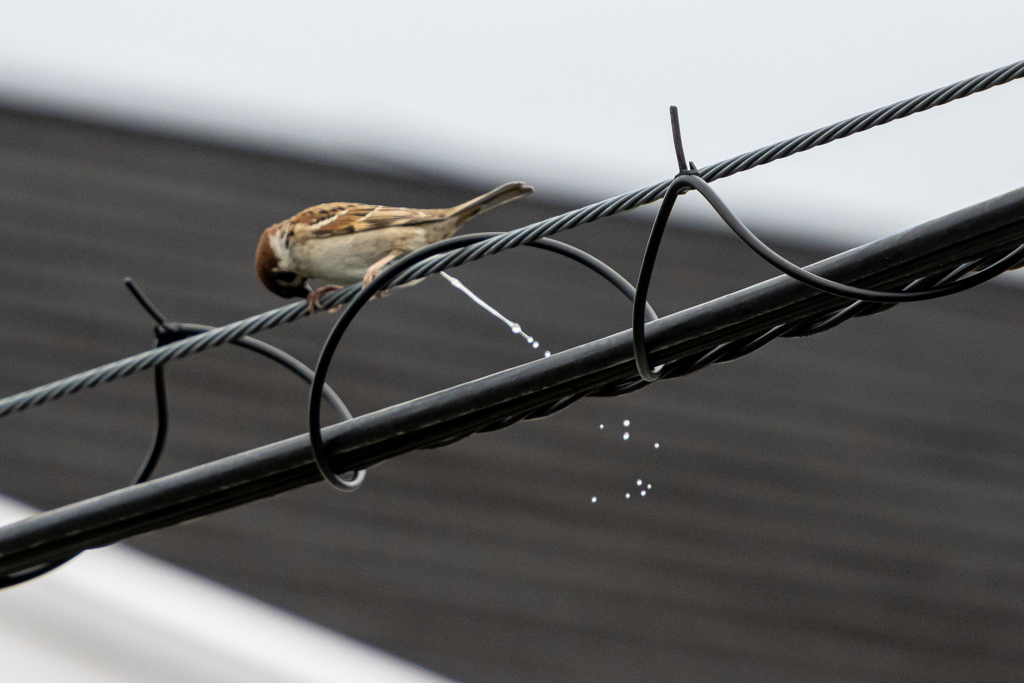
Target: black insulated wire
689,179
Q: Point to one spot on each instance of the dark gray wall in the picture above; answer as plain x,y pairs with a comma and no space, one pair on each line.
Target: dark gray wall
841,508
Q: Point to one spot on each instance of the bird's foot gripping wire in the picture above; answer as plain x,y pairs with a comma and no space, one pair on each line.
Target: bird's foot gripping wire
313,299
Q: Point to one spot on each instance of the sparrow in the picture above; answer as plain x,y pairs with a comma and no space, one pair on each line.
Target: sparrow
344,243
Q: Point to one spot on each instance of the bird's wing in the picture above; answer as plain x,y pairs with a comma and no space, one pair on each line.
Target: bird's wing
343,218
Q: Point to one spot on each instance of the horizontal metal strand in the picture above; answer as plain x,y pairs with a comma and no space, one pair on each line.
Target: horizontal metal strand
546,228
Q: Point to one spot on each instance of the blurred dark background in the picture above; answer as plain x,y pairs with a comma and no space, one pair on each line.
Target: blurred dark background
846,507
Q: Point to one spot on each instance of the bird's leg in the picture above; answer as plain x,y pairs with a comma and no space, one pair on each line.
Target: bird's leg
374,270
313,298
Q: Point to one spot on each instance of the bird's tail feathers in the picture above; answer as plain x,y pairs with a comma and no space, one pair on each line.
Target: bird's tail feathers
494,198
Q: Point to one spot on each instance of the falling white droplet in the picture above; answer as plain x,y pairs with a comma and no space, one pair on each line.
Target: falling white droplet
600,427
648,486
515,327
625,423
625,436
657,445
639,482
594,499
627,495
643,493
547,354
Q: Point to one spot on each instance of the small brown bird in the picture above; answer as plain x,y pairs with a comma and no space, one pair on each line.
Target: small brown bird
344,243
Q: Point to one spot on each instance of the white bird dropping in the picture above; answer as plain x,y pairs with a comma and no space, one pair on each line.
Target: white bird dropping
515,327
625,436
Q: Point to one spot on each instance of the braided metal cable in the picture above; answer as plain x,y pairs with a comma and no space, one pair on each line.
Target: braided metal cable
722,169
144,361
510,240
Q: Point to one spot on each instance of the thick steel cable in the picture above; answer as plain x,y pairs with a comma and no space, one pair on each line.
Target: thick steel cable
930,255
512,239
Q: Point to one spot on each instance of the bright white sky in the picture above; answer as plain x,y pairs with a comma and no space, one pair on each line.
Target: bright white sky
570,96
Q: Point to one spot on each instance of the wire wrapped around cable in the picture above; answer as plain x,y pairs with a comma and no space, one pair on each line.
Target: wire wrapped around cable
168,330
690,180
400,266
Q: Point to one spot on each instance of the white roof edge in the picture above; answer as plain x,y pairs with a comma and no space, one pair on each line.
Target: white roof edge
116,614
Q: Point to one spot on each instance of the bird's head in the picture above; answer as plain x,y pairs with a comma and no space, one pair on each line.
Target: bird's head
268,267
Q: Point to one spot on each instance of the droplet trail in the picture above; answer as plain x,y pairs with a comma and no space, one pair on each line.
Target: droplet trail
515,327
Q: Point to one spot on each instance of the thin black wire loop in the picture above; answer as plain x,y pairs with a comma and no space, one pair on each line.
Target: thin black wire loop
400,266
316,440
830,286
148,464
143,473
145,470
691,181
161,331
167,332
